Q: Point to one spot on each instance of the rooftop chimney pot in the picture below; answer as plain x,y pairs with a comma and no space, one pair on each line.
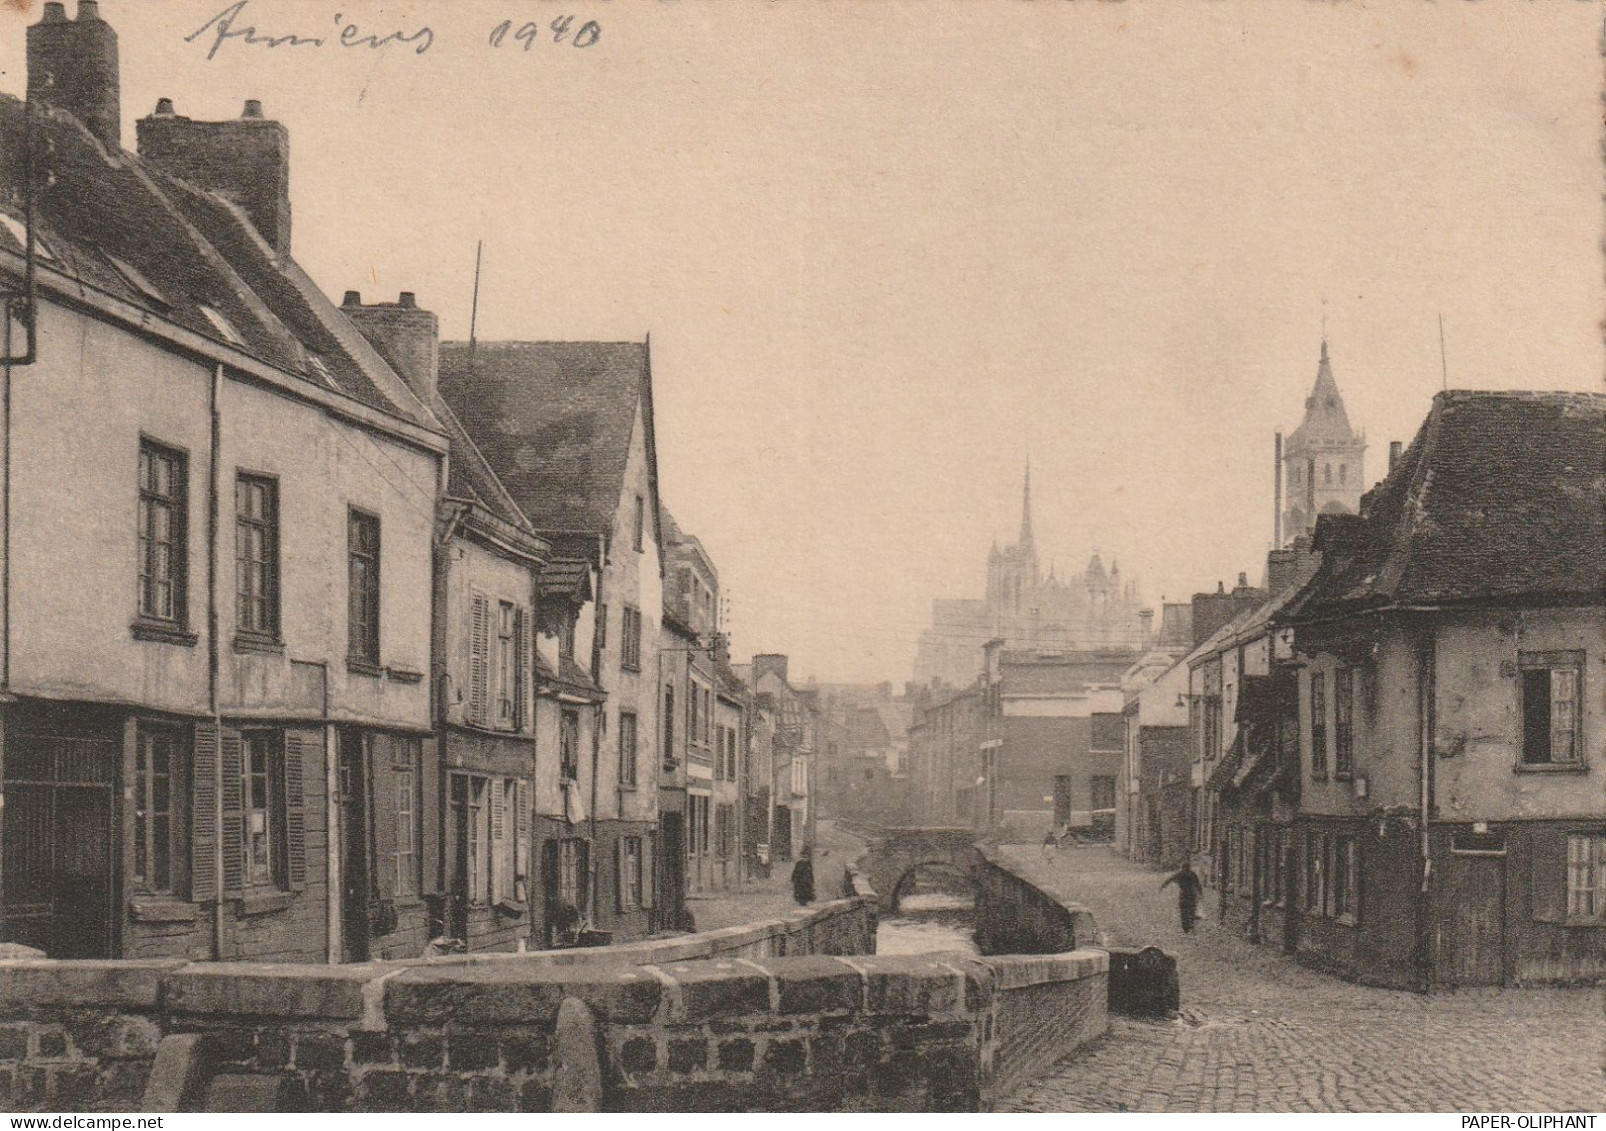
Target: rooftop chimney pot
164,107
88,9
73,67
407,300
253,108
353,298
54,12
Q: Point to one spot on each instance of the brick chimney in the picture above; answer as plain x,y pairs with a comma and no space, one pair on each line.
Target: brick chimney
405,335
246,160
72,65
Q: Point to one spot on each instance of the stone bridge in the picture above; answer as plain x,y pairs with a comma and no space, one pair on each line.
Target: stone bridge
895,854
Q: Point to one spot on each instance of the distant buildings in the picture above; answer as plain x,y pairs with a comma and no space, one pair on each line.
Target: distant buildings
1096,609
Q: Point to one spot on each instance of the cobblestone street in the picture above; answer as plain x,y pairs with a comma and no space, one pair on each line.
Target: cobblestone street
1261,1033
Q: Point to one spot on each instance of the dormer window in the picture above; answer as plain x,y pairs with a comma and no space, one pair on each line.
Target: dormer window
136,279
19,232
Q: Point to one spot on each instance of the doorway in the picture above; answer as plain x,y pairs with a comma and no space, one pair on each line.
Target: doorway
59,842
1471,931
356,847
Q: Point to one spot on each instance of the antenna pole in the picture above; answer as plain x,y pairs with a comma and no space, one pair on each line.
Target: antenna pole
474,311
1444,364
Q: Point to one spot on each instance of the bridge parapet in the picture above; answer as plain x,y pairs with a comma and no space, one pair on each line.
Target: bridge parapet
895,853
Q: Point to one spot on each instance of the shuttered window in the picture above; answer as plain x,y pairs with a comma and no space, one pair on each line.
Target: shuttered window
569,745
156,833
1344,722
1318,725
630,639
262,838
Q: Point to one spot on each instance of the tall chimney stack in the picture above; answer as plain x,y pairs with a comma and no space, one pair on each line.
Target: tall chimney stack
405,335
1277,494
246,160
1394,453
72,65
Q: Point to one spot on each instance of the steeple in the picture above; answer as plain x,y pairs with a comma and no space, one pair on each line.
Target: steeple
1026,508
1323,460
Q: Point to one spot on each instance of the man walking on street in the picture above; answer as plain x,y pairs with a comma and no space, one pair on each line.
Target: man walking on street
1187,894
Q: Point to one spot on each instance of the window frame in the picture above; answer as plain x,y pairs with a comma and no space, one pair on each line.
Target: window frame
1567,663
175,502
1593,867
363,623
569,745
276,811
1318,726
630,639
1343,722
640,522
629,749
268,526
145,810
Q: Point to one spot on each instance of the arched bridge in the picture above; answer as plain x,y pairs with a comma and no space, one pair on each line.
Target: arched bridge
895,854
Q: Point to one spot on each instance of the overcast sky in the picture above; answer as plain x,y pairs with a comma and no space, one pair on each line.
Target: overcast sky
886,249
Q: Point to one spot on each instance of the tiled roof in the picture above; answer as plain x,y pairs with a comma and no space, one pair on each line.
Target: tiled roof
554,419
119,225
1501,497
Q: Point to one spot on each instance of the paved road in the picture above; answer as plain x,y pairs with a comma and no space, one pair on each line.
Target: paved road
1262,1033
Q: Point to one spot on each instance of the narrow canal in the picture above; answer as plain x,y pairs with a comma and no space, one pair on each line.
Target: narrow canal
931,919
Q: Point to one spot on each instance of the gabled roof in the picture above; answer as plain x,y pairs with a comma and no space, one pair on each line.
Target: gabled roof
1501,497
554,420
123,227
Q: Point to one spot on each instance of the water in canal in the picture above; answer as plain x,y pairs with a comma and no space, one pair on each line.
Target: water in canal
928,922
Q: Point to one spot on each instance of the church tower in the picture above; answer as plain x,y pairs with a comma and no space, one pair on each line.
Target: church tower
1324,470
1012,573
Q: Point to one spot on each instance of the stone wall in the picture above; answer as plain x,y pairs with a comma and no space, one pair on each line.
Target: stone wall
1016,916
806,1033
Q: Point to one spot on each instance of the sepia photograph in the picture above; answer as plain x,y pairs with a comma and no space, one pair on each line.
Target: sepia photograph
719,556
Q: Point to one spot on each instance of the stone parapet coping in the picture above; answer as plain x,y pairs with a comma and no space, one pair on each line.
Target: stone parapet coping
371,997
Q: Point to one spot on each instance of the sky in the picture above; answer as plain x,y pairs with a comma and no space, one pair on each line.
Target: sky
885,251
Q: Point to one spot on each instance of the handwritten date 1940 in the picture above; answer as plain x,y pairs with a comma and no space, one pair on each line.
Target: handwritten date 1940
532,32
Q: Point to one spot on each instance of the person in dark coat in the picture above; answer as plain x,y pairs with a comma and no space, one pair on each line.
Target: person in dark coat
803,878
1188,887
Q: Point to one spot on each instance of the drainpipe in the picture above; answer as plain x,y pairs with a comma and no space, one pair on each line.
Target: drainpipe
597,714
1426,695
215,414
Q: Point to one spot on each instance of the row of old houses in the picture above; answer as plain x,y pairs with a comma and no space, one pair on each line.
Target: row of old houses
1385,759
322,639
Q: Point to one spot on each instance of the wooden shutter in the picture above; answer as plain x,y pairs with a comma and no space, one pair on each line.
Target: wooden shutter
1547,878
296,757
1564,714
203,816
429,801
233,833
520,670
521,860
497,803
619,874
479,649
647,874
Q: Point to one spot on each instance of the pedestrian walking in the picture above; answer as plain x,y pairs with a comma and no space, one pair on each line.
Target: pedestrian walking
1188,887
803,878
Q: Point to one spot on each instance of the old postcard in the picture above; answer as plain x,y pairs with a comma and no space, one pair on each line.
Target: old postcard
573,556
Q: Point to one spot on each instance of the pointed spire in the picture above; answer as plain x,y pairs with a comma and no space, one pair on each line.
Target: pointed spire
1026,507
1325,417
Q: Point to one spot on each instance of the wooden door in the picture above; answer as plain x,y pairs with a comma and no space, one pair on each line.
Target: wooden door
1470,934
